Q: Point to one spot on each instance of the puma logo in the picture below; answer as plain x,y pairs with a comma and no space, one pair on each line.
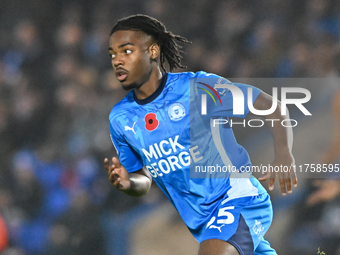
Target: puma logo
131,128
218,228
213,226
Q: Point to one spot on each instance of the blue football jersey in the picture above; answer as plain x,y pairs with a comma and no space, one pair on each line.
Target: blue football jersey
188,154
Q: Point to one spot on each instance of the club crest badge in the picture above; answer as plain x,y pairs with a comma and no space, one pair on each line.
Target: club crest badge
176,111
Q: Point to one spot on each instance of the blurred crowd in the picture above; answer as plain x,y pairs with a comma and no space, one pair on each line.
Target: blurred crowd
57,89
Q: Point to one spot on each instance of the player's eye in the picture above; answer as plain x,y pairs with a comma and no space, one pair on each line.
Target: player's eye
112,55
128,51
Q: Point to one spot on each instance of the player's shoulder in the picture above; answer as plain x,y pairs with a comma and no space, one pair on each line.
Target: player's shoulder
179,77
185,75
202,75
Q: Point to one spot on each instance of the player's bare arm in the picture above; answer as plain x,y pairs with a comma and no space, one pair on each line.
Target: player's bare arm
283,143
134,184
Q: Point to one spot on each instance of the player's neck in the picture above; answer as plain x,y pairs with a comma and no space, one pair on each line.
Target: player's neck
150,86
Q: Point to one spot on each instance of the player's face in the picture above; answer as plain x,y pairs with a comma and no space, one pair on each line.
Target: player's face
130,57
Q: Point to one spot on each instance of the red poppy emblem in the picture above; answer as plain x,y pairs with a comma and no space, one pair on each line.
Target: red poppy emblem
151,121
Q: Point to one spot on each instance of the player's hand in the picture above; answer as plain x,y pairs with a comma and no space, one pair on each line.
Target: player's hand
118,175
328,190
286,174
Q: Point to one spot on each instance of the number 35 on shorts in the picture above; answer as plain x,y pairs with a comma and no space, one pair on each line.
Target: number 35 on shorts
224,217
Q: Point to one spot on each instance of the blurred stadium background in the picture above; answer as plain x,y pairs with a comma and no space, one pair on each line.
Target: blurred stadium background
57,89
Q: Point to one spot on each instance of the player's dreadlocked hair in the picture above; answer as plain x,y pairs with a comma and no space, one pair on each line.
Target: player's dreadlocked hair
170,50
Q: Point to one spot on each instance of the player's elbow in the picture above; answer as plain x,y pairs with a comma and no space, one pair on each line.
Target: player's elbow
145,188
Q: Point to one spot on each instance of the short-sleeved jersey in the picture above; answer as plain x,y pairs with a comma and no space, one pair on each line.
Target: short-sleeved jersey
168,134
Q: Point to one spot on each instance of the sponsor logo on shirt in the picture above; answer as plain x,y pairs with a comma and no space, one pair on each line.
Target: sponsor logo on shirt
169,155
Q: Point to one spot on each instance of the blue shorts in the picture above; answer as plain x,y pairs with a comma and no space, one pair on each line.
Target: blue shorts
241,222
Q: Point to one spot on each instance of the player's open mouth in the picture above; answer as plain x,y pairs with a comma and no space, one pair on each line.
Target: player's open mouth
121,75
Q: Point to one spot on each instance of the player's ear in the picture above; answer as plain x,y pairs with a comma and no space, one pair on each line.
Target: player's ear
154,51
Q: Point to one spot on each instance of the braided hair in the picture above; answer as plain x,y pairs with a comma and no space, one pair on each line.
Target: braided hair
170,50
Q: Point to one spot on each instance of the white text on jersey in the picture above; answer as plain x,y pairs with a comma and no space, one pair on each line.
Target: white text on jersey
171,162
